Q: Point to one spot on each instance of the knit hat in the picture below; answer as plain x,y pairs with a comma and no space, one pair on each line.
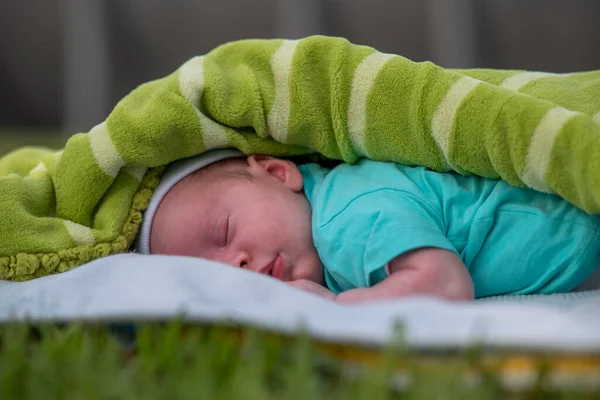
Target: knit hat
174,173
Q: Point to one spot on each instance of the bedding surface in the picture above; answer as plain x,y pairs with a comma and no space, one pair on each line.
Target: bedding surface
131,286
318,95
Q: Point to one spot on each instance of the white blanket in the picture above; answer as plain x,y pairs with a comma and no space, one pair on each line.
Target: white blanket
132,286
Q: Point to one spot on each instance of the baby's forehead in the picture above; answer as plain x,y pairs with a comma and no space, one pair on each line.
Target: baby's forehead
194,198
206,186
201,181
223,167
208,182
219,172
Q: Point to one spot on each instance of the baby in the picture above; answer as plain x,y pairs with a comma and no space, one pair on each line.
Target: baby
370,231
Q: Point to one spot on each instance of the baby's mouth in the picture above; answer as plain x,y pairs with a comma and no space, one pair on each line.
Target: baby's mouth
278,268
275,268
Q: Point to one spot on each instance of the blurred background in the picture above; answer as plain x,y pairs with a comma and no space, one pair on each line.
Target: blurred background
65,63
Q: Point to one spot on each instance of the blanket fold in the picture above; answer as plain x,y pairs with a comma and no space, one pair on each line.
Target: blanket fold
319,95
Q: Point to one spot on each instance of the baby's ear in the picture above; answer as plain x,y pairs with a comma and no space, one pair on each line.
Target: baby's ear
284,171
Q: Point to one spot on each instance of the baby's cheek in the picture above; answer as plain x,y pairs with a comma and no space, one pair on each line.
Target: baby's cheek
212,255
309,268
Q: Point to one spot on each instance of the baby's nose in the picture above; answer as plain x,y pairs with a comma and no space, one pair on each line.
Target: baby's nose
245,261
241,260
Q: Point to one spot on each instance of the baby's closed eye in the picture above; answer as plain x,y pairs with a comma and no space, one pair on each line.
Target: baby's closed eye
222,233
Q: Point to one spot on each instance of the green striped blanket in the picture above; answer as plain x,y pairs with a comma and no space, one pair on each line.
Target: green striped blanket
288,97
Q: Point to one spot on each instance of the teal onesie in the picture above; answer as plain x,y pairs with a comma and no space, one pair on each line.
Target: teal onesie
512,240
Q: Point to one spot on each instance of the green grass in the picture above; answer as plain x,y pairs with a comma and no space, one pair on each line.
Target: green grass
173,362
12,138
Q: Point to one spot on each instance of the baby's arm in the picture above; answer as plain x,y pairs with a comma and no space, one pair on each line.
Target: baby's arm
427,271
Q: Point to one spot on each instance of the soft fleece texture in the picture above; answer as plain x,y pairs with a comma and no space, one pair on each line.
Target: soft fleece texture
285,97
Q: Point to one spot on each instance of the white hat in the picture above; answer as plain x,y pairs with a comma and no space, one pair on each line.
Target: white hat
175,172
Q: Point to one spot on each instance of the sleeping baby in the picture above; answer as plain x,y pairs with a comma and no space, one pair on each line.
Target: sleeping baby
371,230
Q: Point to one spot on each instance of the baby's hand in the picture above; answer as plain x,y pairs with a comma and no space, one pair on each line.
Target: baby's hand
313,287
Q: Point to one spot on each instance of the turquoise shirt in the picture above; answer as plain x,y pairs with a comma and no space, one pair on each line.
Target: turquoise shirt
512,240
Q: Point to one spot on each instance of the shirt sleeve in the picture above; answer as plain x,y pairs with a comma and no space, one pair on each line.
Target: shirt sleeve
359,240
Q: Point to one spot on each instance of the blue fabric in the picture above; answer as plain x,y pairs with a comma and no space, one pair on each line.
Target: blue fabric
512,240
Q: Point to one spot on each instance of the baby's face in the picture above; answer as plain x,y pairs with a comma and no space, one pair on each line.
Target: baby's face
250,213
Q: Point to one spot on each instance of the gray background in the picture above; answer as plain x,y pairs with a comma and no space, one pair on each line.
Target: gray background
65,63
